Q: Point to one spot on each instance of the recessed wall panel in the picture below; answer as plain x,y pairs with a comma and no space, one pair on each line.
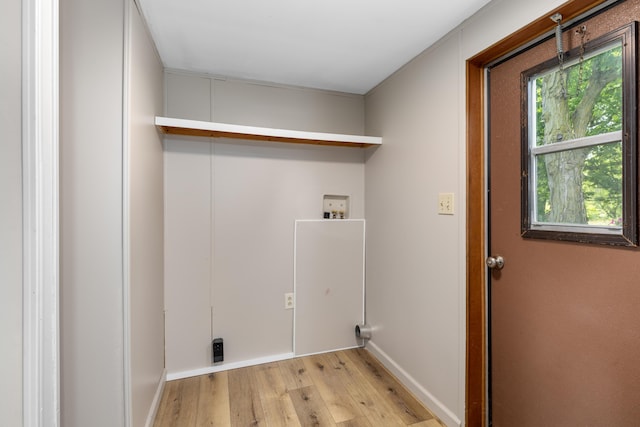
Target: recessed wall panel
329,284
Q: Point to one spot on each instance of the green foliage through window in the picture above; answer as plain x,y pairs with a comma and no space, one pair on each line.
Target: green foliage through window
579,154
564,97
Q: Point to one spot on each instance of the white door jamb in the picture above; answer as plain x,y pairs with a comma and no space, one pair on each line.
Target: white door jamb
40,134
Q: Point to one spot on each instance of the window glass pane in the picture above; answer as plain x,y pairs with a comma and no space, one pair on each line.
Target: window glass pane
573,100
581,98
589,195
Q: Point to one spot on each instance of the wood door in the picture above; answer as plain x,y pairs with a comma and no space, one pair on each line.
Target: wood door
564,318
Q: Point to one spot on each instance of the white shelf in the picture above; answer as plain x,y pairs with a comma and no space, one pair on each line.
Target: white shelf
224,130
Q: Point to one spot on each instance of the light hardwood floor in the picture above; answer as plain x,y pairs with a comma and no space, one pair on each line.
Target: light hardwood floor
347,388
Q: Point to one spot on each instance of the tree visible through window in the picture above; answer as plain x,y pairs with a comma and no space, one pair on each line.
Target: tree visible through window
579,144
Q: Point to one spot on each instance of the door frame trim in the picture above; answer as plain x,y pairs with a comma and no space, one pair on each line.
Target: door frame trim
476,408
40,195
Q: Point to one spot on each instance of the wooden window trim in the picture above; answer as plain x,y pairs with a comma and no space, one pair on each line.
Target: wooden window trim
476,361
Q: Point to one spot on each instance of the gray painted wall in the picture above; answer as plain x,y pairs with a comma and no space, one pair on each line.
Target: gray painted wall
146,220
414,275
91,270
230,211
11,214
416,258
94,214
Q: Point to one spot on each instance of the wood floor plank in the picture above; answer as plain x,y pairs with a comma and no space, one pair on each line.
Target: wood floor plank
295,374
213,405
310,407
280,412
373,405
429,423
166,407
245,405
183,403
328,381
276,402
405,404
269,380
356,422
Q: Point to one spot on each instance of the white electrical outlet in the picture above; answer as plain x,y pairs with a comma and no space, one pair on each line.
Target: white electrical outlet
445,204
288,300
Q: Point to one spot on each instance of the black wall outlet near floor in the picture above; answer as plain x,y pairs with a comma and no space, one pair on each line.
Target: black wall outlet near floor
218,350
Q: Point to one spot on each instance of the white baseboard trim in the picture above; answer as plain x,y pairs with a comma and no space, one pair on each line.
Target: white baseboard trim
328,351
228,366
155,403
243,364
437,407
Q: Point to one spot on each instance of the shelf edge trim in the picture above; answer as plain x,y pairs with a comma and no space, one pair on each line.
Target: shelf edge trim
214,129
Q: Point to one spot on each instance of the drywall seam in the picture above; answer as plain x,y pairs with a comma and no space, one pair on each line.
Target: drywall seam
126,216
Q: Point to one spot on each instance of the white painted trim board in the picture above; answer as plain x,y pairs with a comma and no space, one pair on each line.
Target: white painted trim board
168,123
243,364
40,163
228,366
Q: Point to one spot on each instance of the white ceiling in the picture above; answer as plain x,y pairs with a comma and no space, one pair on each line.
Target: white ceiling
342,45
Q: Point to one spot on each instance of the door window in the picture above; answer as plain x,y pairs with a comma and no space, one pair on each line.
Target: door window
578,138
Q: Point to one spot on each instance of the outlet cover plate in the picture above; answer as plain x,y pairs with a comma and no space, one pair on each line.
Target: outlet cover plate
445,204
288,301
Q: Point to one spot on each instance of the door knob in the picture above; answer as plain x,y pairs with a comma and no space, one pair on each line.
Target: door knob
495,263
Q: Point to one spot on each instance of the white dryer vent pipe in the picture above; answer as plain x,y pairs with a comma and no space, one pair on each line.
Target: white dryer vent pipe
363,332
